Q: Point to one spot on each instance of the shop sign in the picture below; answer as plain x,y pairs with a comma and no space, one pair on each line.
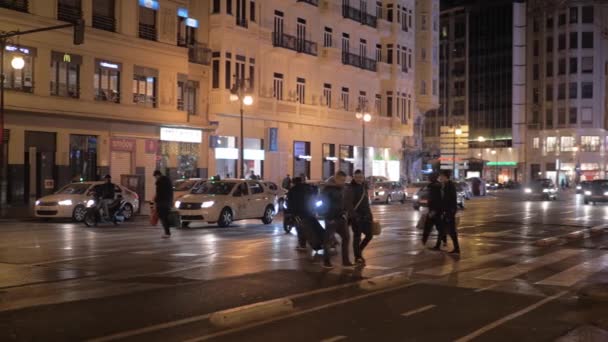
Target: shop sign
226,153
151,146
253,154
181,135
127,145
190,22
49,184
182,12
273,138
151,4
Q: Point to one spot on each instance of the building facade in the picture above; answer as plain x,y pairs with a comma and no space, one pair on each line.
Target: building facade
150,89
567,121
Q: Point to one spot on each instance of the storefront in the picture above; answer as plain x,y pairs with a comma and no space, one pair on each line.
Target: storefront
385,164
502,171
254,157
590,171
83,157
40,150
329,160
184,145
227,156
301,159
347,159
122,158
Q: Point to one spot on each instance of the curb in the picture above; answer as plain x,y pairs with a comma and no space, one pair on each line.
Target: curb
250,313
598,230
575,235
384,281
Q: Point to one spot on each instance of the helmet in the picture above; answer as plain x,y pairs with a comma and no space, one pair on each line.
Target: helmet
107,177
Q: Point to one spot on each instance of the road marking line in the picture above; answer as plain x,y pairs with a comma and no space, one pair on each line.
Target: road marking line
380,268
468,263
577,273
185,254
150,328
508,318
528,265
481,289
334,339
143,252
419,310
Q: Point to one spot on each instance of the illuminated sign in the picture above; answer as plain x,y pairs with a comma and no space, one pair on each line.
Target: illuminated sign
13,48
226,153
192,22
253,154
182,12
108,65
308,158
151,4
501,163
332,159
67,58
181,135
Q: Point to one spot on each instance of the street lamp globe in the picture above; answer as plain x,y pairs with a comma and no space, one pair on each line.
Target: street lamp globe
367,117
18,63
458,131
359,115
248,100
481,139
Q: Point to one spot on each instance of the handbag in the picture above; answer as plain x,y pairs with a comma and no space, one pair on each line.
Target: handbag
376,228
422,221
153,215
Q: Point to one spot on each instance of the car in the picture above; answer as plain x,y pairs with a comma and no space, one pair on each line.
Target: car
596,191
71,201
461,192
182,187
542,188
466,188
493,185
421,198
278,192
387,192
226,201
413,188
582,186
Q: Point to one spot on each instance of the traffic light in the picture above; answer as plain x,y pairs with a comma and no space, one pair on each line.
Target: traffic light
79,32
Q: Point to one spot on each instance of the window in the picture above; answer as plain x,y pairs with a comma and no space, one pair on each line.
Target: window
460,29
561,117
536,143
561,91
379,9
551,144
23,79
345,98
252,11
536,48
241,13
535,25
328,39
573,15
378,104
68,10
573,116
301,90
389,104
573,65
327,95
561,20
549,70
147,23
549,44
107,81
561,68
573,90
229,7
228,74
363,48
422,87
587,41
345,42
186,35
362,101
535,96
587,14
535,117
65,75
187,96
144,87
561,42
535,72
459,88
549,118
378,53
573,40
103,15
389,12
216,7
567,144
277,86
587,65
435,87
590,143
587,90
550,22
587,115
423,54
389,54
215,76
423,22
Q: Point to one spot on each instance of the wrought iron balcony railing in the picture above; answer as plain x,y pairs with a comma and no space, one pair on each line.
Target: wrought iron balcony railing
147,31
199,54
357,15
68,13
105,23
359,61
294,43
17,5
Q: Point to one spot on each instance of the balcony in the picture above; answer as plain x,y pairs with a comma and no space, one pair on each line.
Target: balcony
359,61
147,31
199,54
310,2
103,22
68,13
293,43
359,16
17,5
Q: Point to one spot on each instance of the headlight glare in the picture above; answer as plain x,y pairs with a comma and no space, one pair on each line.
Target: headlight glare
90,203
38,202
177,204
528,190
319,204
65,202
207,204
587,193
415,197
381,193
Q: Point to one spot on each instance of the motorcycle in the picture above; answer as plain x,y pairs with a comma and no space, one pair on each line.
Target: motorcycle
94,208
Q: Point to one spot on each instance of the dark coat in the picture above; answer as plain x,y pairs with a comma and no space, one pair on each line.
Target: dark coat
449,201
105,190
434,197
363,211
164,192
333,202
300,200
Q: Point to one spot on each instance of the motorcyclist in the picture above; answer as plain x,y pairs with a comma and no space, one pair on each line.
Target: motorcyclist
106,194
299,206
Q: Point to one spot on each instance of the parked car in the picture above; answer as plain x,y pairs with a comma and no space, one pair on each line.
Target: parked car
421,198
183,186
226,201
71,201
582,186
543,188
596,191
279,193
387,192
468,193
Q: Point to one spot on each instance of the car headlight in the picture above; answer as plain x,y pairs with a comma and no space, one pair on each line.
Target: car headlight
605,193
578,187
528,190
381,193
65,202
415,197
90,203
553,190
207,204
545,190
587,193
177,204
319,204
38,202
284,204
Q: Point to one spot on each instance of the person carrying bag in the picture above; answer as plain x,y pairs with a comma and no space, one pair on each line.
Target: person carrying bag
362,221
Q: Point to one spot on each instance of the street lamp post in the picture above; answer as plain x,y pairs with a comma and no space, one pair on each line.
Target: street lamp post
457,131
239,92
365,117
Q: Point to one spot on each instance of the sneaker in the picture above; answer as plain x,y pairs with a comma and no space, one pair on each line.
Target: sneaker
327,265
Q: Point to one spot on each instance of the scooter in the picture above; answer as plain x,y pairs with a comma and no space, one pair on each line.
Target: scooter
93,215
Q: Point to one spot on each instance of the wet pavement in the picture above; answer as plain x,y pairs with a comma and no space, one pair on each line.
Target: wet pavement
518,278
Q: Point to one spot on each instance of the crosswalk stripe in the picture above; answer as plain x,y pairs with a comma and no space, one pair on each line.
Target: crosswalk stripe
528,265
472,262
577,273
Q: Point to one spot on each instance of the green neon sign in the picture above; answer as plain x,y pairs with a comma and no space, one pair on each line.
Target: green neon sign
501,163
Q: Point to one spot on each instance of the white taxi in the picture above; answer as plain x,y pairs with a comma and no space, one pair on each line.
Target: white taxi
226,201
70,201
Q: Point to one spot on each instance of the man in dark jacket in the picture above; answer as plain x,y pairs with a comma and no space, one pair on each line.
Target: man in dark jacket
449,206
106,193
163,200
434,214
360,216
335,219
299,205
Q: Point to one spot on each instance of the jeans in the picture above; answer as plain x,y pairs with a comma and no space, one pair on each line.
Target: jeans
361,226
163,216
332,227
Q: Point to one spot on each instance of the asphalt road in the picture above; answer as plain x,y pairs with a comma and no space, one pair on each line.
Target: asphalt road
524,267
